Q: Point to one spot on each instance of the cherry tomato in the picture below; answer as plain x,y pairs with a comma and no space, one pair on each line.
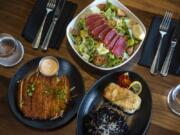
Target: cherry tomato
124,80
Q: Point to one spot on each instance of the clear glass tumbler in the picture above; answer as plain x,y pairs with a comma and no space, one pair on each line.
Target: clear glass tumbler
8,45
174,99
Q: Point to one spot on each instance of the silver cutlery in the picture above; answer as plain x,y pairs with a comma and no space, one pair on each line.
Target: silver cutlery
56,16
164,26
49,8
174,39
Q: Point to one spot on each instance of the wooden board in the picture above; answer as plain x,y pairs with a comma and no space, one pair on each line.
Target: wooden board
13,15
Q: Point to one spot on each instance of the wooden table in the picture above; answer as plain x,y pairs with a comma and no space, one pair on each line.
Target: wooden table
13,15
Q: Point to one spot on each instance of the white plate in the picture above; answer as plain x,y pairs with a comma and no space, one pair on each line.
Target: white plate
86,11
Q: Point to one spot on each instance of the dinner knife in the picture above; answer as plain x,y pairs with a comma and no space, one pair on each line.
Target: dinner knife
174,40
56,16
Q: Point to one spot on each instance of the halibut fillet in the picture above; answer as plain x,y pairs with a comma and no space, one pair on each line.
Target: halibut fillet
122,97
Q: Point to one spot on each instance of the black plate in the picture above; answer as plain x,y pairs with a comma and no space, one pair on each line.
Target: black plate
139,120
75,80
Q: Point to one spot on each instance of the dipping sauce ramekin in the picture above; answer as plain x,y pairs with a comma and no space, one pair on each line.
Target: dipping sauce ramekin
48,66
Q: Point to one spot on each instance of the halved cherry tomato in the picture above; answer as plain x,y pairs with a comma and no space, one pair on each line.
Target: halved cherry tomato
124,80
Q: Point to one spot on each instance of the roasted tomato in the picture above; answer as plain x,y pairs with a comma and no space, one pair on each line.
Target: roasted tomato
124,80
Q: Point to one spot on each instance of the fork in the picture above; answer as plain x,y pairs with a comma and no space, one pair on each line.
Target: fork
49,8
164,26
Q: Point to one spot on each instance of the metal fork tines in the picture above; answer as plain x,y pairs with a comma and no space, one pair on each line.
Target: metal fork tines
49,8
164,26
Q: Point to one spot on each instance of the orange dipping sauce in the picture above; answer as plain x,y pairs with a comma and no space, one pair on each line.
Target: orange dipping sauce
49,66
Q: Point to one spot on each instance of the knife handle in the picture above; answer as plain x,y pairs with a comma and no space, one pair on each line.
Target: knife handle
155,64
46,41
167,62
37,39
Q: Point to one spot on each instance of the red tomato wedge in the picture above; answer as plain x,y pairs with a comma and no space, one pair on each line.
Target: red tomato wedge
124,80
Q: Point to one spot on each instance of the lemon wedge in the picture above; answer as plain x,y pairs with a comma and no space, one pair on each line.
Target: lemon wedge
138,32
136,87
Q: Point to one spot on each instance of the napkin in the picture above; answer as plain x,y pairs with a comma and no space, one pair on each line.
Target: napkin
151,43
36,17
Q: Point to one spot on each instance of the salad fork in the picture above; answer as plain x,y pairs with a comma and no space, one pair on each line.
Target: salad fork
164,26
49,8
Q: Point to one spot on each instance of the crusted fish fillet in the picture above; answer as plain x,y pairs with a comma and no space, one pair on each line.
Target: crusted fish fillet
41,97
122,97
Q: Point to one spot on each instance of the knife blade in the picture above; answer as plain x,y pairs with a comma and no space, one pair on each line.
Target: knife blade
59,8
174,39
176,33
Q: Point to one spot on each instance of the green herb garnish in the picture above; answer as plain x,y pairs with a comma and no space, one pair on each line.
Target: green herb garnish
30,89
60,94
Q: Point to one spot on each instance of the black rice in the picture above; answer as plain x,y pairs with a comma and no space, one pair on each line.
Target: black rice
105,121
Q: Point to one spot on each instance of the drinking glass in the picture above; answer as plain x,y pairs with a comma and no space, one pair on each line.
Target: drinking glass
8,45
174,99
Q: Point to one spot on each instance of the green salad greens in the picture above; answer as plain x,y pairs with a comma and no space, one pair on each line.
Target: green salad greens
94,51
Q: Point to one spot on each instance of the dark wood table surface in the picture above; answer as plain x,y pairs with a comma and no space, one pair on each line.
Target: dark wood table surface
13,15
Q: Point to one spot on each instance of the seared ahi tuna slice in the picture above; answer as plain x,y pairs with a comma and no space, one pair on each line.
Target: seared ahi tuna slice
102,34
95,32
113,41
96,24
109,36
93,15
119,46
90,21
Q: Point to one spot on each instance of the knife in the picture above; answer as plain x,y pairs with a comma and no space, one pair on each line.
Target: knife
56,16
174,40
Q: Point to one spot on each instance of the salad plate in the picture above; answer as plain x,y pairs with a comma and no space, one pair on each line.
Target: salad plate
124,35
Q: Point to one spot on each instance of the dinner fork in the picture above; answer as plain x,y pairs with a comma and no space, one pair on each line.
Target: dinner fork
164,26
49,8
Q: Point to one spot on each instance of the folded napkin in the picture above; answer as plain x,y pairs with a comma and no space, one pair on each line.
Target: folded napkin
151,43
36,17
